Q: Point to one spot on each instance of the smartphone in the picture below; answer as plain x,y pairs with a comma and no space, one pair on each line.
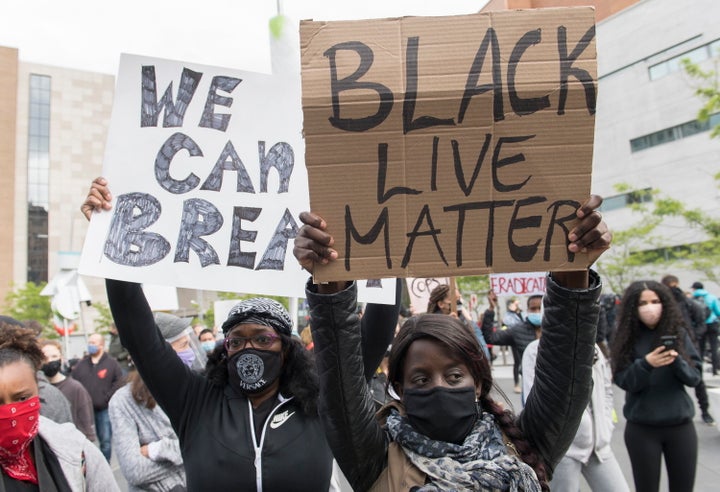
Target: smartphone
669,341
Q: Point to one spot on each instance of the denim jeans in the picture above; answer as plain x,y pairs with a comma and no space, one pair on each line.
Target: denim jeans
104,432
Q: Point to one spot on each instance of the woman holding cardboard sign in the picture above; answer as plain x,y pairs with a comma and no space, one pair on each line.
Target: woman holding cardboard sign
250,423
445,431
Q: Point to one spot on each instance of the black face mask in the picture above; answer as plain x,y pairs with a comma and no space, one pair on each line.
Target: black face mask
51,368
442,414
251,371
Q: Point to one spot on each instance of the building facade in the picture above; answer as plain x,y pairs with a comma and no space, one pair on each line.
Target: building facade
55,123
647,137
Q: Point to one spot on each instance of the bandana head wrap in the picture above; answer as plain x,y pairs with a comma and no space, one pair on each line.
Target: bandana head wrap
261,311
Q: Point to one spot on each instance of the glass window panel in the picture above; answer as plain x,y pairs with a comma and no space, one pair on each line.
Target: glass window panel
697,55
657,71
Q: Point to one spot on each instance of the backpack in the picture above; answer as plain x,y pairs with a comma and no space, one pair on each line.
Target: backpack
703,307
697,312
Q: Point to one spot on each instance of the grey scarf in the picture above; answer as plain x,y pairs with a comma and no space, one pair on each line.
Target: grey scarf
480,463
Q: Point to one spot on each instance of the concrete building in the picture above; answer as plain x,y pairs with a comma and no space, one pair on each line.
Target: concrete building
54,121
53,128
647,135
53,132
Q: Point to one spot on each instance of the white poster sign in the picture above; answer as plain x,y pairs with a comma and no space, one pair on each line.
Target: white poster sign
419,290
206,166
518,284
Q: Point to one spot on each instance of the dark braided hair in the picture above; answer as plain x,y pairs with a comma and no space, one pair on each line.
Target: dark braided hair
629,324
298,377
461,341
18,343
439,293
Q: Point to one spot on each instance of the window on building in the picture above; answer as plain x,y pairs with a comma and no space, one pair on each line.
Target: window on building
696,55
673,133
624,199
38,170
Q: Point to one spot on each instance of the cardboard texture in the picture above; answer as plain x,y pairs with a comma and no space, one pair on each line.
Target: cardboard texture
441,146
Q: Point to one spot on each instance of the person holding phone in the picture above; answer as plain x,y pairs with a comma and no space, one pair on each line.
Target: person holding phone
653,359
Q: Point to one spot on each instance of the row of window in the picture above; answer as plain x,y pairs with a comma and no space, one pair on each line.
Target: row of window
676,132
695,55
624,199
38,178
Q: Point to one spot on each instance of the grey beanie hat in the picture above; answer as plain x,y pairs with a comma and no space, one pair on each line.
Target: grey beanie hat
171,326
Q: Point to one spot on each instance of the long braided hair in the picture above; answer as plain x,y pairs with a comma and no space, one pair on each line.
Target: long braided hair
462,342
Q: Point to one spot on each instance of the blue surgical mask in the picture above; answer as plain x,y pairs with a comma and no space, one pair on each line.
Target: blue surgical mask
208,346
92,349
535,319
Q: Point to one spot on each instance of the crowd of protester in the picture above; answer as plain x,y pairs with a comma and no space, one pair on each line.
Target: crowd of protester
394,406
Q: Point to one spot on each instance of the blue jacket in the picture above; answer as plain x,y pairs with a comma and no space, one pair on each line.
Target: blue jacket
710,301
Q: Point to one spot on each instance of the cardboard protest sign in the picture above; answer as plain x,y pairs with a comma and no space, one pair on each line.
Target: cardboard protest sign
438,146
206,169
518,284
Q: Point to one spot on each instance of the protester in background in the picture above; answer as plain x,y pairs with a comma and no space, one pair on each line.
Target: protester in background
694,316
713,326
657,408
206,337
446,432
179,334
117,351
37,453
518,335
54,404
513,313
250,422
590,454
101,376
80,401
513,317
440,302
148,450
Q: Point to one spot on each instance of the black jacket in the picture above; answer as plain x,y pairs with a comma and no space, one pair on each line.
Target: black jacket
214,424
518,335
657,396
549,420
101,380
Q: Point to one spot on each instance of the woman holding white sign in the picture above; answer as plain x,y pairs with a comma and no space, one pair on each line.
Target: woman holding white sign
445,432
251,422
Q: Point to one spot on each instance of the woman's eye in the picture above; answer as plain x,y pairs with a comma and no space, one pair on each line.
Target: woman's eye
263,339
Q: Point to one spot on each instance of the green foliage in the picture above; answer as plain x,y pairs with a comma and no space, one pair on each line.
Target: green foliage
209,315
639,251
104,318
708,91
25,303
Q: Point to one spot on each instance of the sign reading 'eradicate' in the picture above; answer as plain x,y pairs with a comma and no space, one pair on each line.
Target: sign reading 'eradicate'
439,146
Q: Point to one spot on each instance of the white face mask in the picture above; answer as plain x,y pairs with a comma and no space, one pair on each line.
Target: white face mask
650,314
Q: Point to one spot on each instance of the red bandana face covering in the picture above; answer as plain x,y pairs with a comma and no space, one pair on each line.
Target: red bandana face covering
18,426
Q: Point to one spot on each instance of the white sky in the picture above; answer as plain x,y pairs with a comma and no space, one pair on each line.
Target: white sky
91,34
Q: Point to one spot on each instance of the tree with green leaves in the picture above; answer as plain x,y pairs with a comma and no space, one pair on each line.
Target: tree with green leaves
708,91
641,251
104,318
25,303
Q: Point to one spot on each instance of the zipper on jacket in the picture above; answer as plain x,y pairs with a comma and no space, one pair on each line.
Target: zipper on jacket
258,448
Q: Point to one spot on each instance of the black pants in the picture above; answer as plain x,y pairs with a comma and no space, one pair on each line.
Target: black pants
711,335
646,444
